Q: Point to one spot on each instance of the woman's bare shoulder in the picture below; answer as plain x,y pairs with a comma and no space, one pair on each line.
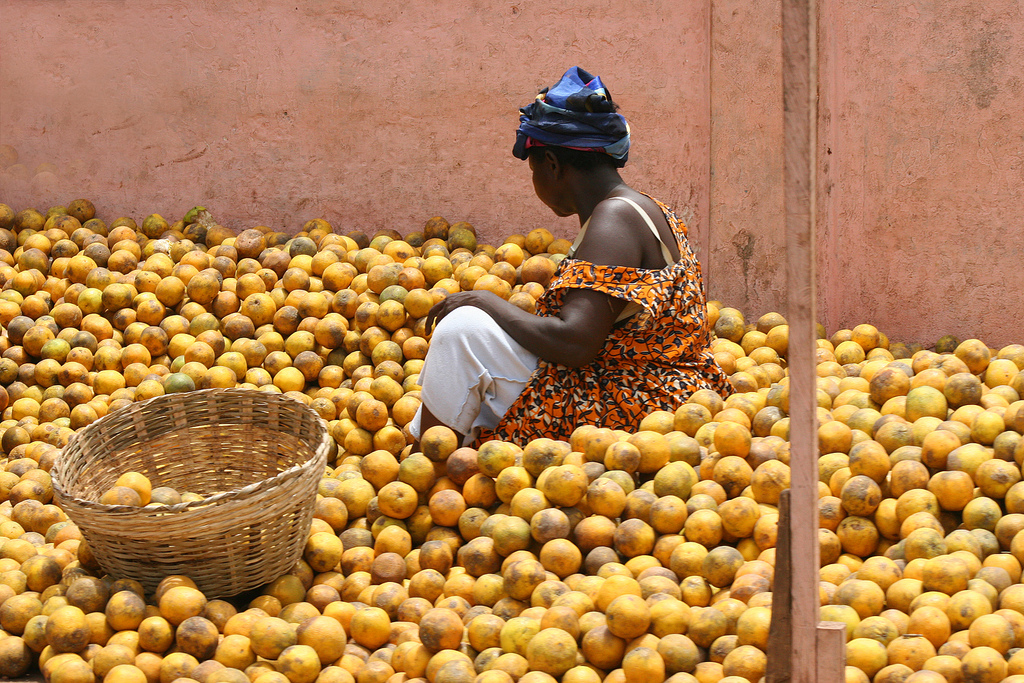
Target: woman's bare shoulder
616,222
613,236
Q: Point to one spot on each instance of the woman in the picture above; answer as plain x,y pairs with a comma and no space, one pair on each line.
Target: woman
622,329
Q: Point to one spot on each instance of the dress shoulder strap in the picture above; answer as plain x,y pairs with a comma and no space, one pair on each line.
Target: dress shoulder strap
665,252
579,239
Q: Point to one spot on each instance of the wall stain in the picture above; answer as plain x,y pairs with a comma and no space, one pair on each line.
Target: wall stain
744,243
195,153
984,57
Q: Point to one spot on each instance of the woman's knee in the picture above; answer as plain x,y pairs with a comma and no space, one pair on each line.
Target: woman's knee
462,322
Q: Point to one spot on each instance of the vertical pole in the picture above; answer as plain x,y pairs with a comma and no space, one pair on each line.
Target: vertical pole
831,652
707,206
799,91
780,633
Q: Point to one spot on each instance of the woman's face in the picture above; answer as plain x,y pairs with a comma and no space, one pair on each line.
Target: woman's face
545,183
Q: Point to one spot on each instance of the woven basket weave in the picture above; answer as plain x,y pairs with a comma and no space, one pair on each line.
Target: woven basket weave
256,457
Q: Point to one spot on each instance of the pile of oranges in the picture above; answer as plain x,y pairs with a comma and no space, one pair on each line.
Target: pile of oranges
613,556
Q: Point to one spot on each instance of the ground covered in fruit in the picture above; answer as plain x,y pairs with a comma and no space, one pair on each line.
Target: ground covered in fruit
615,556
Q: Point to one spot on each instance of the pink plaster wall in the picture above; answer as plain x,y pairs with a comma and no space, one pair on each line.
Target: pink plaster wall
384,114
747,231
923,160
370,114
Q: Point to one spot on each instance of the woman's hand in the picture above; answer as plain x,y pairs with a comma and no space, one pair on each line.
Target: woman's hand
573,337
481,299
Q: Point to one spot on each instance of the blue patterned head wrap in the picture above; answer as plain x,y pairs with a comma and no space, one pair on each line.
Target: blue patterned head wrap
576,113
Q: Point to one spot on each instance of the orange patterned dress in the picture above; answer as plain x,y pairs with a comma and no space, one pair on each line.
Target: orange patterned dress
652,360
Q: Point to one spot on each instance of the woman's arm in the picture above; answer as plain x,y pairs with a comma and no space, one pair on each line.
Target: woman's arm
577,332
572,337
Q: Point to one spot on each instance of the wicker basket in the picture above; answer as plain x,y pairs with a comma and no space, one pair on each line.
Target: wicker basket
256,457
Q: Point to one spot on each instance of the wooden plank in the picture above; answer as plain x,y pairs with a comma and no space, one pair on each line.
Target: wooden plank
831,652
704,248
780,631
799,89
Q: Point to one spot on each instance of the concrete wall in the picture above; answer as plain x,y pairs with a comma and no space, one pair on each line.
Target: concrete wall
386,113
369,114
923,159
747,239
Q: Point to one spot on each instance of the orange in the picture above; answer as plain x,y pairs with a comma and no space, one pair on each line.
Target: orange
733,439
984,665
911,650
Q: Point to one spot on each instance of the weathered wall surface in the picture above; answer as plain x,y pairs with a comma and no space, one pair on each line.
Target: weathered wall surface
923,160
747,237
367,114
920,163
384,114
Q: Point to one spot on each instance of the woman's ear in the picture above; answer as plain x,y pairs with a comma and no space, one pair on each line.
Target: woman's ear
552,162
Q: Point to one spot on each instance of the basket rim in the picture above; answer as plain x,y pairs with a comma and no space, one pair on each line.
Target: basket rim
319,456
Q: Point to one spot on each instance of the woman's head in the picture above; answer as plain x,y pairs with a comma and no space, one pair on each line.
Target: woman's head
575,119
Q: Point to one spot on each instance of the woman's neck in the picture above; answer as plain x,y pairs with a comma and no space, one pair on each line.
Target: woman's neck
591,187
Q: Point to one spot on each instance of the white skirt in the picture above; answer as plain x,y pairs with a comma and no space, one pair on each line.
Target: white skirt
474,371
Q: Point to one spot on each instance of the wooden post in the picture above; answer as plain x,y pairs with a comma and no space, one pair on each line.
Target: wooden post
780,633
799,94
831,652
801,650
